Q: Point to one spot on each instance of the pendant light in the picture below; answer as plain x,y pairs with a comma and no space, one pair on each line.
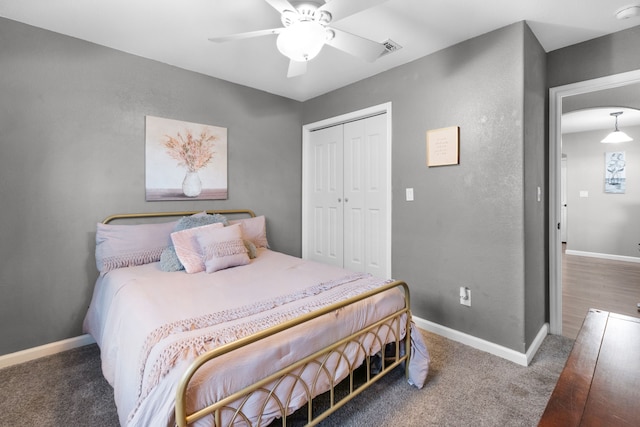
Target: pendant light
617,135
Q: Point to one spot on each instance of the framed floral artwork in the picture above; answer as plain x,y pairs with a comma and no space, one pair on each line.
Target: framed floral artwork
184,160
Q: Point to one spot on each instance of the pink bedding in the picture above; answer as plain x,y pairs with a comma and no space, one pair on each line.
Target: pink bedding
151,324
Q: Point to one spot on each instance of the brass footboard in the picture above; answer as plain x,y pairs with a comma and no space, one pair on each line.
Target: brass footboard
387,330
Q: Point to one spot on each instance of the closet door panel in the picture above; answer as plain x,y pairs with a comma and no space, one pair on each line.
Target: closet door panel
354,240
354,186
366,195
374,251
326,194
376,196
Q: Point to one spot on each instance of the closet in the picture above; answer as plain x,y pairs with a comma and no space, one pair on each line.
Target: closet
346,196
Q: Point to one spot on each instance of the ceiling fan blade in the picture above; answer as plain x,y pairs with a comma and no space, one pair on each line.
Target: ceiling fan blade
342,8
296,68
356,45
248,35
281,5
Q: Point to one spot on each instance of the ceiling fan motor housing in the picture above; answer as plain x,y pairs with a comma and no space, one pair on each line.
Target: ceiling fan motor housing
305,12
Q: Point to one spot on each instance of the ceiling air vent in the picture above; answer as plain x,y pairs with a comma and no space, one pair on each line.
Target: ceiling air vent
390,46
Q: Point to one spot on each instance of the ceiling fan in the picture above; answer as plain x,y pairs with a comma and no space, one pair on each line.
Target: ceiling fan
306,30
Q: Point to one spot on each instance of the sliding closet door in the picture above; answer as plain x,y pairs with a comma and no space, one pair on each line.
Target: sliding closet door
365,195
324,169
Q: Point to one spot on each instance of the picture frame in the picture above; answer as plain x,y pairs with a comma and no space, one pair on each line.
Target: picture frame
615,175
443,146
184,160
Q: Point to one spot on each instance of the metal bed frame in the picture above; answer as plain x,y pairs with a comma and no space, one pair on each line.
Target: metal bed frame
386,330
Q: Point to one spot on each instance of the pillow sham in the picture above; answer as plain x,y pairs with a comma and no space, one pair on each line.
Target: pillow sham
223,248
120,245
169,260
254,229
187,248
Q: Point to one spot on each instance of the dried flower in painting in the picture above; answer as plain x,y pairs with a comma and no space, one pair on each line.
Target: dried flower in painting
185,160
194,153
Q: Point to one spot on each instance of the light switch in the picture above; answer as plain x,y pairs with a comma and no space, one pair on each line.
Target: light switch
584,193
409,194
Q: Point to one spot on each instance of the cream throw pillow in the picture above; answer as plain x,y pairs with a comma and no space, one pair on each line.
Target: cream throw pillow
223,248
187,248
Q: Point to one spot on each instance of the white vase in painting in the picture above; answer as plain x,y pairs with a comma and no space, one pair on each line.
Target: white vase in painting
192,186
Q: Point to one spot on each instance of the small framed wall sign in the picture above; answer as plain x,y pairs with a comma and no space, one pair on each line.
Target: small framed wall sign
443,146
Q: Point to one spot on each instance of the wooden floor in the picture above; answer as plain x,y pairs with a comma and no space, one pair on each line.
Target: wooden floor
597,283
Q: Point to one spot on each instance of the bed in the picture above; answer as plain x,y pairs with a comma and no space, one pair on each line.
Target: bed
200,323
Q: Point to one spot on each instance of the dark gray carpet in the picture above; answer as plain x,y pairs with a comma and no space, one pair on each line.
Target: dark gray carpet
465,387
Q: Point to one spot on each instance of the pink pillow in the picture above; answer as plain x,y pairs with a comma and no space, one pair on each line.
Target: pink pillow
120,245
254,229
188,249
223,248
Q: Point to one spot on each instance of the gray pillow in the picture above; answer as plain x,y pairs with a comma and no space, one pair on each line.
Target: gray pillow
193,221
253,252
168,258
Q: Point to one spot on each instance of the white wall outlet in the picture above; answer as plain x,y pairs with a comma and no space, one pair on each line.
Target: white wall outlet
409,194
465,296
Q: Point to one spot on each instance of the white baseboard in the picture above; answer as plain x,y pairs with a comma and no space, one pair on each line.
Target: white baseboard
44,350
604,256
506,353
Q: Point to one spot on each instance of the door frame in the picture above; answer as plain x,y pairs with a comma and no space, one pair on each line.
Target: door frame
556,95
333,121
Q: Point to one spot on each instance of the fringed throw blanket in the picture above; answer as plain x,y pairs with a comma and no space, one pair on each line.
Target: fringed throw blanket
263,315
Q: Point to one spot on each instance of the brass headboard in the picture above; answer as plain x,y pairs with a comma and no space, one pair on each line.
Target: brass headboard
184,213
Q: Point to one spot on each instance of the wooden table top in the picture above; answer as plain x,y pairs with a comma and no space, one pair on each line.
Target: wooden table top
600,383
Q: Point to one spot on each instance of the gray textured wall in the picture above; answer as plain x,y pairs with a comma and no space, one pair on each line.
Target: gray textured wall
603,222
72,152
611,54
466,226
535,209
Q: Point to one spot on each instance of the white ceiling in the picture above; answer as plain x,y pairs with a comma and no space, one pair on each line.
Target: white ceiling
176,32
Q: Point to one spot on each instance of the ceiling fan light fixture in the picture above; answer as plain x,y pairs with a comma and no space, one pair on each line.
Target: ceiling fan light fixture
617,135
302,41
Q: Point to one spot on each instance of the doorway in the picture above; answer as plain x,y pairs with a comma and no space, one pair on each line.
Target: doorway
556,96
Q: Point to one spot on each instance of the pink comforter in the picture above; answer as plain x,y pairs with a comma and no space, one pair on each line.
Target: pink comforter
151,324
